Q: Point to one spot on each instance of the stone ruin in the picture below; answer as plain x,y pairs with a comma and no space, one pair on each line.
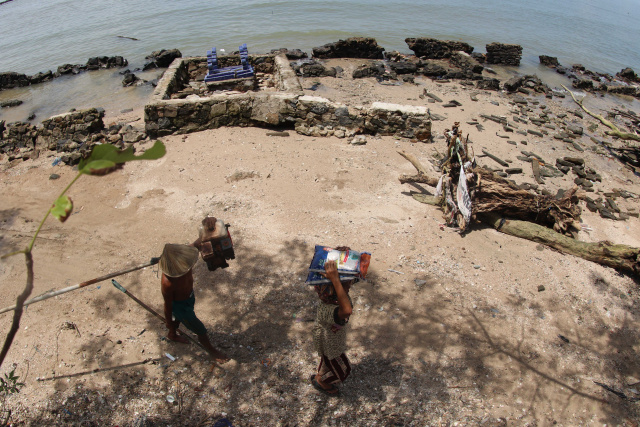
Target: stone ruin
71,135
183,102
507,54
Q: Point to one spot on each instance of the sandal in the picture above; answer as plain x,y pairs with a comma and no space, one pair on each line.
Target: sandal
333,391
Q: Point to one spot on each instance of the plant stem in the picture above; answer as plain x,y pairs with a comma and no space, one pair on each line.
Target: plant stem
49,211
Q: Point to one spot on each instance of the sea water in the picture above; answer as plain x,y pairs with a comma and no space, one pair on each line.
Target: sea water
39,35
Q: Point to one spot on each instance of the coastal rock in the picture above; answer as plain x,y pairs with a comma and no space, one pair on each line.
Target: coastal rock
10,79
621,89
403,67
583,83
290,54
549,61
98,62
41,77
374,70
575,129
507,54
10,103
69,69
628,74
521,83
429,48
433,69
161,58
488,83
480,57
129,79
465,62
313,68
354,47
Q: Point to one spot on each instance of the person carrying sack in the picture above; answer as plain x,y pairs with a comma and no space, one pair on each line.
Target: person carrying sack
214,243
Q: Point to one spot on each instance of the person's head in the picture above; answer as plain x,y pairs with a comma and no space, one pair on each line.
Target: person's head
177,260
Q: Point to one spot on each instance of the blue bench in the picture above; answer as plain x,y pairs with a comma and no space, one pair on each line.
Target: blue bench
226,73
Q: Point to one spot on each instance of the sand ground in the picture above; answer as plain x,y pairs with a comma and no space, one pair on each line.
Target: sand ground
448,328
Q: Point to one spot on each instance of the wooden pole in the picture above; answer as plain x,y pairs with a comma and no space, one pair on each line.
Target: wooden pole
152,311
52,294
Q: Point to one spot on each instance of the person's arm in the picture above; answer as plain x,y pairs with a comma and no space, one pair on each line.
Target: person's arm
208,224
198,243
344,305
167,294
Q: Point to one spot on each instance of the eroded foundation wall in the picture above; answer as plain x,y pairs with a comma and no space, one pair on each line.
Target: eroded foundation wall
286,108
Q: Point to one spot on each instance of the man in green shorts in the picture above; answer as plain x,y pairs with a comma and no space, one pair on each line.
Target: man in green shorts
176,263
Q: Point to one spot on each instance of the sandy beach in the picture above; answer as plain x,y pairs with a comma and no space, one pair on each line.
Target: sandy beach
448,329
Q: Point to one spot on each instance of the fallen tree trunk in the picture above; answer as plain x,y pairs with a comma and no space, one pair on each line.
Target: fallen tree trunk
496,194
622,257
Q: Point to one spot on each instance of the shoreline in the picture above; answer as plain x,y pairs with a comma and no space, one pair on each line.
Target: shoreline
35,111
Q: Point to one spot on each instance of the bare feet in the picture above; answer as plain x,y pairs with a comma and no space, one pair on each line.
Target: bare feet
177,338
328,389
218,356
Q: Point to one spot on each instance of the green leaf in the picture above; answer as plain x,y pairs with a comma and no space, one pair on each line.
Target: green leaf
96,165
62,208
105,157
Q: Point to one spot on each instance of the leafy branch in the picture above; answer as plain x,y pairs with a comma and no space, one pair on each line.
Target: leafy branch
103,160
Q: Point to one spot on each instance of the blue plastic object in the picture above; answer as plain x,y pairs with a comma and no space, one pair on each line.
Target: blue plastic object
226,73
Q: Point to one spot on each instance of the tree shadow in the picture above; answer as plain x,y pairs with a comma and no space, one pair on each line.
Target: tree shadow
420,355
8,218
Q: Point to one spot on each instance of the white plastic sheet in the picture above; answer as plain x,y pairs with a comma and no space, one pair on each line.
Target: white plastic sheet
462,196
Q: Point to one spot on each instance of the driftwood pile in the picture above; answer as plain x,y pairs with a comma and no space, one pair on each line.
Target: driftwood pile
483,191
468,193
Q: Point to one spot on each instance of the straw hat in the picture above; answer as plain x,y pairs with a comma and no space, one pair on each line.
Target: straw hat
177,260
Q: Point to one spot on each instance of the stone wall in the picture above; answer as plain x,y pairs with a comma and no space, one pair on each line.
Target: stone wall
17,135
76,126
436,49
507,54
70,134
308,115
406,121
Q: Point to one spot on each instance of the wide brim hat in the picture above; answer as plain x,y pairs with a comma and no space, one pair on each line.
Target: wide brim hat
177,260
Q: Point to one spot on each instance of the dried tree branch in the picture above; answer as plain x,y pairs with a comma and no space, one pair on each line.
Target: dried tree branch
614,129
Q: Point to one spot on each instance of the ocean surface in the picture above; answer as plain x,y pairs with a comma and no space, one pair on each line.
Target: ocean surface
39,35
